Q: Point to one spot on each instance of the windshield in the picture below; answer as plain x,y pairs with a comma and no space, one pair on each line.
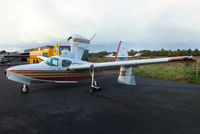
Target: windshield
52,62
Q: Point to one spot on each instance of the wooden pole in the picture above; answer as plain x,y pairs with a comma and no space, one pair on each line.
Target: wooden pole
197,69
185,71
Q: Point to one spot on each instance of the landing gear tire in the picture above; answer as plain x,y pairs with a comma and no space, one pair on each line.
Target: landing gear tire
24,89
92,90
95,87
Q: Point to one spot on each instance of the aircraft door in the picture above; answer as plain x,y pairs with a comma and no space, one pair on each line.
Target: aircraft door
65,64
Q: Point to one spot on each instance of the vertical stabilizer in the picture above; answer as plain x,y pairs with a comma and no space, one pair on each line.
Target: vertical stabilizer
122,53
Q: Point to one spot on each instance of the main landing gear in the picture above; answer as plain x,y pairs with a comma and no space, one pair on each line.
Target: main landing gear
94,84
24,89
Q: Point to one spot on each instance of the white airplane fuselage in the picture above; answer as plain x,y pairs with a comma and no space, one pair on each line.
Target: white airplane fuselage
49,73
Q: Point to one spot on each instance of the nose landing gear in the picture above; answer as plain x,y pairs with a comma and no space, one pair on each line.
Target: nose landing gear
24,89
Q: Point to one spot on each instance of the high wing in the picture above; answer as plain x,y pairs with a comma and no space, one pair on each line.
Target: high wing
129,63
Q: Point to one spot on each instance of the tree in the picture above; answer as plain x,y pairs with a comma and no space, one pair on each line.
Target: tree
3,52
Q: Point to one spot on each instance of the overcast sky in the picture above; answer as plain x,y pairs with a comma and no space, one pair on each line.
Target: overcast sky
144,24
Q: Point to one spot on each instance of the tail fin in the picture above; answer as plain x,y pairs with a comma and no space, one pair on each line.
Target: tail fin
117,50
122,53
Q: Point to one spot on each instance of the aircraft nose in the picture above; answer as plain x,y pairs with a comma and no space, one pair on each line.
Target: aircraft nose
10,69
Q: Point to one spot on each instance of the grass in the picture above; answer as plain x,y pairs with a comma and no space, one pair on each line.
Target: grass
172,71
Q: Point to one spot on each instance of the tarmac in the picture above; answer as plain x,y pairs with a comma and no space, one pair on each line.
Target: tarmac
152,107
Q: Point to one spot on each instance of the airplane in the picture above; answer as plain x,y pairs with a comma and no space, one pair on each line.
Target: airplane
122,53
69,68
3,58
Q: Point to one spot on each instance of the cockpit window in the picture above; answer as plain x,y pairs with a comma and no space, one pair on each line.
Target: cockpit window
66,63
52,62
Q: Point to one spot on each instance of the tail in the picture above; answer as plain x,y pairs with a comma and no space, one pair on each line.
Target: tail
117,50
122,53
126,75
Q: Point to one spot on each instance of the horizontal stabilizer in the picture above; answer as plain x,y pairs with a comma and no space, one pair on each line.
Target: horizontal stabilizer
110,56
121,56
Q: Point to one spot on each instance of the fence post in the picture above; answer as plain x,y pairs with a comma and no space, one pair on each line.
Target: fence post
185,71
197,69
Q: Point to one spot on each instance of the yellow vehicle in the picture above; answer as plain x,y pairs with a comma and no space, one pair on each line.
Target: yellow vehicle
47,51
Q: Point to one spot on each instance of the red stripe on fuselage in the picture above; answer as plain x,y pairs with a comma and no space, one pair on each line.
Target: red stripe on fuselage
64,78
52,75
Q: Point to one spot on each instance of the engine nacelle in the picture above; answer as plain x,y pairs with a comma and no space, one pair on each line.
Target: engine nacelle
79,45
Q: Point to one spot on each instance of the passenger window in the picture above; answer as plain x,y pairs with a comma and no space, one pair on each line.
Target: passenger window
66,63
45,54
52,62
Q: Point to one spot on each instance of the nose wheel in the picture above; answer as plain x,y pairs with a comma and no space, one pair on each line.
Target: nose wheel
24,89
94,84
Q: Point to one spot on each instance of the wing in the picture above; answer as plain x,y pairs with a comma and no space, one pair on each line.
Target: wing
130,63
42,58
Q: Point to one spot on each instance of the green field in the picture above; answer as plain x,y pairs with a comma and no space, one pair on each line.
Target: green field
170,71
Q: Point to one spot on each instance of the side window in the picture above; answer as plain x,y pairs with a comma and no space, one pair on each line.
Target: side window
45,54
66,63
52,62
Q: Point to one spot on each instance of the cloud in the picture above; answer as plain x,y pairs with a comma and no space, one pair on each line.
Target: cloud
143,24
